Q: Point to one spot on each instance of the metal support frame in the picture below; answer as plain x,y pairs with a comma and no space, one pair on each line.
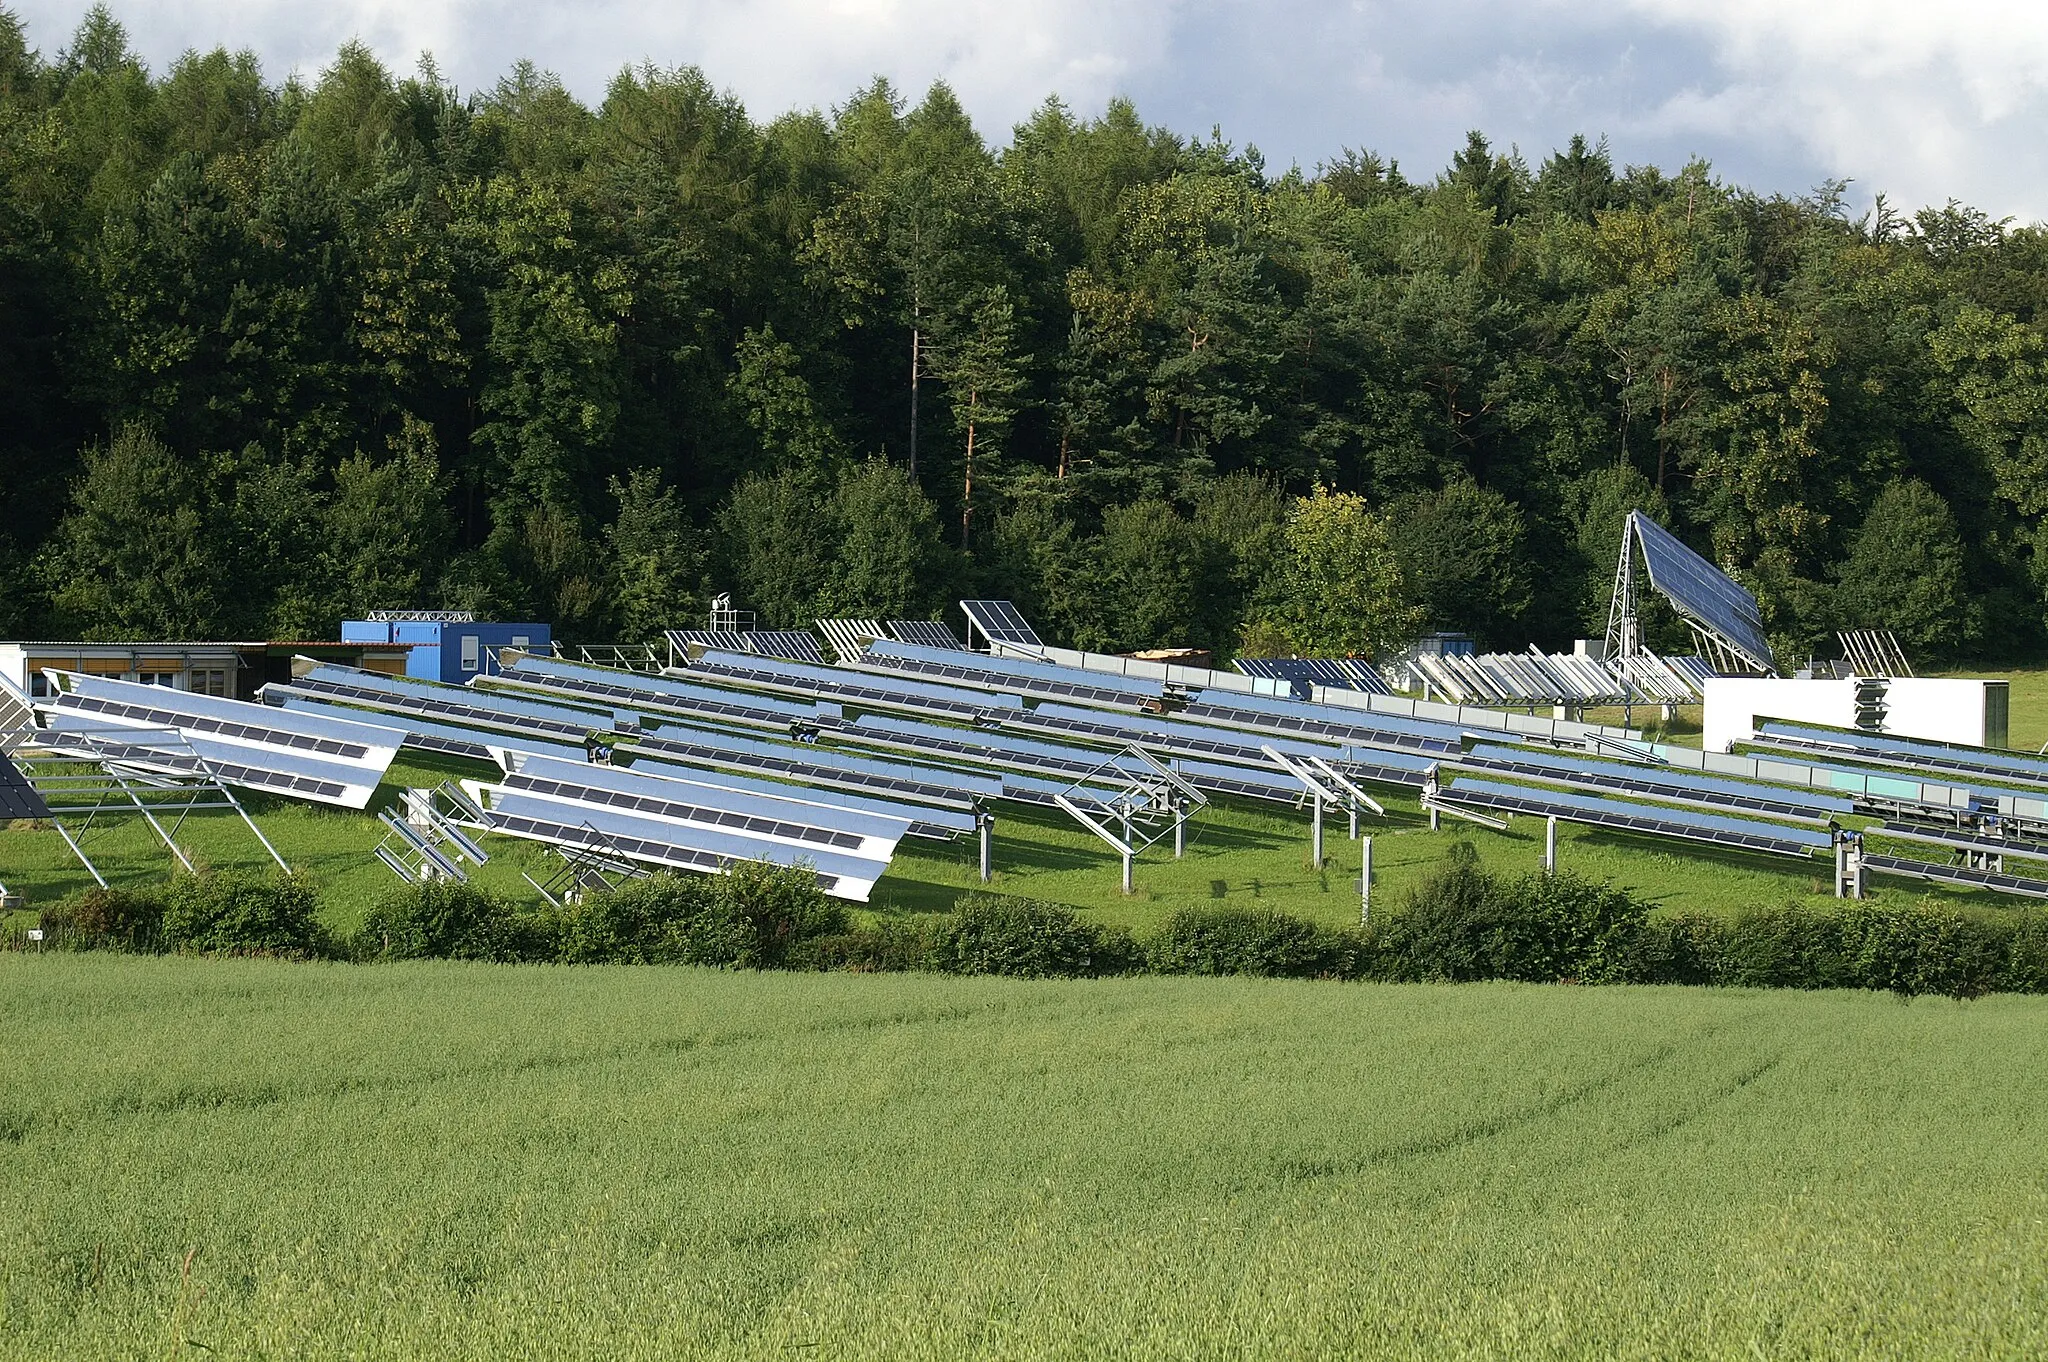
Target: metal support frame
1550,845
984,826
427,844
1436,802
1149,800
1365,884
1323,783
129,771
1848,864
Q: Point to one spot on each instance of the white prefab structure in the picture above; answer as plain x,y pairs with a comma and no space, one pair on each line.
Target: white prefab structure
1940,709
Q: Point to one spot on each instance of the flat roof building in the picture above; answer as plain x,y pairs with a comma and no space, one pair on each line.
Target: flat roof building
235,670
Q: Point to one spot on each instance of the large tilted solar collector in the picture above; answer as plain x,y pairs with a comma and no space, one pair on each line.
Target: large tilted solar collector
1000,622
429,735
316,758
1702,592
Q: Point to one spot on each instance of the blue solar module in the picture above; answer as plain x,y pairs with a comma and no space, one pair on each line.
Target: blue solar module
977,745
1962,876
653,841
795,645
1656,782
844,685
1720,829
1000,622
1005,673
1701,591
429,735
701,799
18,798
1305,672
1893,750
1959,839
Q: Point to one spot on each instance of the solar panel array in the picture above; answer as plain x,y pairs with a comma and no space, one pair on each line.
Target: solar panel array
1720,830
312,757
1650,781
849,637
1702,592
839,683
1890,749
795,644
1000,622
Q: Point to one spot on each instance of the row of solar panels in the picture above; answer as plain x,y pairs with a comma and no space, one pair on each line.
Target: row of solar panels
1304,674
1541,678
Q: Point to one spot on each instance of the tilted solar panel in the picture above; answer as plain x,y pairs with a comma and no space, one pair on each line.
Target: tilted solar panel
849,637
456,705
1656,782
1006,670
1911,752
1702,591
924,820
1963,876
839,683
705,801
1719,829
652,841
813,762
1000,622
433,735
174,752
657,694
794,644
926,634
18,798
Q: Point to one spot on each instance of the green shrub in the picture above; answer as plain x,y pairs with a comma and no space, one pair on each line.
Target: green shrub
445,920
1251,941
663,919
242,913
1679,948
753,916
1445,929
1788,947
1027,939
105,919
1922,949
888,947
2026,956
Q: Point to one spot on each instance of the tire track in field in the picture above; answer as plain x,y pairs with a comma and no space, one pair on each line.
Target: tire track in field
17,1127
1466,1134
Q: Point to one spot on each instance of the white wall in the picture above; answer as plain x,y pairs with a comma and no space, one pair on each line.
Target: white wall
1941,709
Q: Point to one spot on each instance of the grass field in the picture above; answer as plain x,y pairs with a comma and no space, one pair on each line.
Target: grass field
251,1159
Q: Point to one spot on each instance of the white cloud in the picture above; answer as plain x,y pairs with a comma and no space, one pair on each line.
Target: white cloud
1924,100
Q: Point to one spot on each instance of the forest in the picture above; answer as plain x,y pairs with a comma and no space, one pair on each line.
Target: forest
274,352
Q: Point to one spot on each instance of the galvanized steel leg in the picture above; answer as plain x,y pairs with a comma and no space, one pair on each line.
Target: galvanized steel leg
1550,845
1365,886
1316,853
986,825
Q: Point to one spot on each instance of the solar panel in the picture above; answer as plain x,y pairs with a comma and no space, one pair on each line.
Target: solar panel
1959,839
793,644
1718,829
841,684
1966,877
681,639
449,701
816,764
942,823
1891,749
1381,731
975,745
925,634
999,622
704,800
171,751
456,705
651,841
657,694
18,798
430,735
329,761
1012,674
1337,673
1702,592
1657,783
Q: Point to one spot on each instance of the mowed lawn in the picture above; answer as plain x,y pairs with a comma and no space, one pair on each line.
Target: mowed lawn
252,1159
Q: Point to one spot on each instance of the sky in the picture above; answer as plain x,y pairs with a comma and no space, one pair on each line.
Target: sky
1921,101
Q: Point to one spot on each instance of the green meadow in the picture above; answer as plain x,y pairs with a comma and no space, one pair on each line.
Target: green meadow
254,1159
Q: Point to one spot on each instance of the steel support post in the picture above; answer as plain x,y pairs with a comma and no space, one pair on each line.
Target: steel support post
1550,845
1316,837
1365,885
986,824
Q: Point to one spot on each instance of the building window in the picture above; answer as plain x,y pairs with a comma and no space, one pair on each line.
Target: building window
520,642
38,686
469,652
210,682
168,680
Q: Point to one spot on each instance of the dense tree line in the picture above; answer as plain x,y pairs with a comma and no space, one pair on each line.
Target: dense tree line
275,353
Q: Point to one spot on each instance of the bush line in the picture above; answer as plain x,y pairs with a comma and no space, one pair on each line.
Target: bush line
1461,924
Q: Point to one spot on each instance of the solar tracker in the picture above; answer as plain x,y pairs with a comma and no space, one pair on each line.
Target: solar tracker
1963,876
839,683
1719,829
18,798
1890,749
999,622
657,694
430,735
652,841
702,800
1701,592
1684,786
328,761
925,634
173,751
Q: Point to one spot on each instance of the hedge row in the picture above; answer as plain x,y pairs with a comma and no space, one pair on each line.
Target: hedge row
1460,924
